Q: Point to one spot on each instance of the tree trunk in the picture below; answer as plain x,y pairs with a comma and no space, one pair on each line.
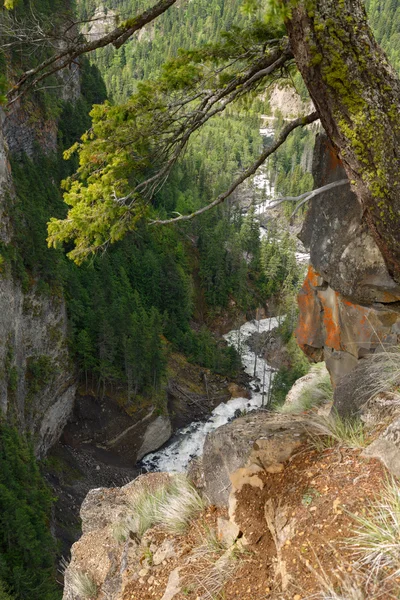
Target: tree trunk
357,95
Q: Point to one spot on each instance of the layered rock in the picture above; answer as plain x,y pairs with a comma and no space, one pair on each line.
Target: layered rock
349,303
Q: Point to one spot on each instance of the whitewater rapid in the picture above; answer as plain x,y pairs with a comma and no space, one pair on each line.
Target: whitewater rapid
188,442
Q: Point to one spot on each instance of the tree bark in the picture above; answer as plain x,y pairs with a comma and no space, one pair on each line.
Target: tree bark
357,95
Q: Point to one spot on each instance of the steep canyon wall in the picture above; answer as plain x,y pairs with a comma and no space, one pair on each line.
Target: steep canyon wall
37,383
349,304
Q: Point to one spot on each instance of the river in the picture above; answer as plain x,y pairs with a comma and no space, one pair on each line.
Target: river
188,442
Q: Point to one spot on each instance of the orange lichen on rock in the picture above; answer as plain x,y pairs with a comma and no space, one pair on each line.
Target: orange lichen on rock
328,321
308,332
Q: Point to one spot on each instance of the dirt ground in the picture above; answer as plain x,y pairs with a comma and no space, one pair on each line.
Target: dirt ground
310,506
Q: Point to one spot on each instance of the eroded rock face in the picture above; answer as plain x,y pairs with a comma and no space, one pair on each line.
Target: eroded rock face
342,250
334,329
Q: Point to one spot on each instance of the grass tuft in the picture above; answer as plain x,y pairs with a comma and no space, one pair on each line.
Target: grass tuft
382,372
327,431
179,506
173,506
377,537
81,584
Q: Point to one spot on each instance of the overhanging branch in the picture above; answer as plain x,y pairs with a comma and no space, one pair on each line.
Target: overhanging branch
62,59
300,122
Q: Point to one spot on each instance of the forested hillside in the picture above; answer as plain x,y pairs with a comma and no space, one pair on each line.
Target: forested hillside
122,332
385,21
186,25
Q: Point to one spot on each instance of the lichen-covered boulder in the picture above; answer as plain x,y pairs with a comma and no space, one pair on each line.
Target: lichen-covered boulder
333,328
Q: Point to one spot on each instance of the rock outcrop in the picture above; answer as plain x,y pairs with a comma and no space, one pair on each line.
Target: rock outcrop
261,438
349,303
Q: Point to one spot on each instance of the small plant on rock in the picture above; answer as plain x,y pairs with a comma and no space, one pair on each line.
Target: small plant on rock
181,503
327,431
172,505
81,584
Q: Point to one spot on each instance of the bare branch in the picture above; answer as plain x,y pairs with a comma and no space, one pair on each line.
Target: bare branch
61,60
318,191
306,196
300,122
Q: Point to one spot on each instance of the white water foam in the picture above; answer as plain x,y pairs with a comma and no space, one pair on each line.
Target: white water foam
189,441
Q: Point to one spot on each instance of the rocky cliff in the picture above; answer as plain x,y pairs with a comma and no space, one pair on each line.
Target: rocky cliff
349,304
37,383
282,490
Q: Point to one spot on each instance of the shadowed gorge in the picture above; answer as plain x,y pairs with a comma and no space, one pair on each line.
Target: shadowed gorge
199,300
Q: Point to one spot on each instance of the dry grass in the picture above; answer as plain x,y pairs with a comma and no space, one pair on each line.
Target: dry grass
327,431
377,537
211,574
382,372
80,583
173,506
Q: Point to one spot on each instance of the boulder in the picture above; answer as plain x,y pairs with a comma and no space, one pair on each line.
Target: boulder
261,439
316,374
157,433
387,448
333,328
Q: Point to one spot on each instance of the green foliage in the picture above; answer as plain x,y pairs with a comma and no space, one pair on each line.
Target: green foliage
201,348
282,273
39,372
4,595
130,143
384,16
190,25
287,376
26,545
